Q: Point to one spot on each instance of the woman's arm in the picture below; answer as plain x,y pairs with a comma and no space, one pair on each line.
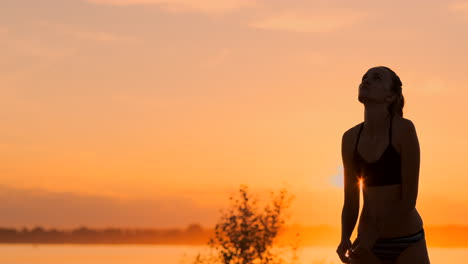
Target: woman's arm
350,212
410,154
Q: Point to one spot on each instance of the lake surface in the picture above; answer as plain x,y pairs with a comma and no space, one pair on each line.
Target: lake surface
167,254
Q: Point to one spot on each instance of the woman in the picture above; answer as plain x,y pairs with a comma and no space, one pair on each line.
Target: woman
382,156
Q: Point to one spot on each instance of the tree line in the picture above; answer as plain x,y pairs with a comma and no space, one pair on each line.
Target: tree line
192,234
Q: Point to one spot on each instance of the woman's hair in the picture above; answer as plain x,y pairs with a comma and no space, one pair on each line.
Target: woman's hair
396,107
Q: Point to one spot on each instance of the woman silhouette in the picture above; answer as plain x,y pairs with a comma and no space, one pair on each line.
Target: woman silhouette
381,156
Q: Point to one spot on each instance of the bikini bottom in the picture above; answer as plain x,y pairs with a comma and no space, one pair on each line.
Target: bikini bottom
388,249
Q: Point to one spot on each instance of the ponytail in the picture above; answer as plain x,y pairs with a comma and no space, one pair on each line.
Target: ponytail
396,107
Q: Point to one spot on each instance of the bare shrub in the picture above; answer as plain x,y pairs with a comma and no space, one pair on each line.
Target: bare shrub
248,234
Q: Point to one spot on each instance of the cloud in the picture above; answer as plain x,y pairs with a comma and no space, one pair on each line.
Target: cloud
32,207
315,22
49,44
459,6
85,34
459,10
3,30
217,59
95,36
31,51
337,180
433,86
56,43
203,6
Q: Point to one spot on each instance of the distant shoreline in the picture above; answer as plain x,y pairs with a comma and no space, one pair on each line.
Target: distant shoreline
447,236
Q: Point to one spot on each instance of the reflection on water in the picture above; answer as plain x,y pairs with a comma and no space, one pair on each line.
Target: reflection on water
165,254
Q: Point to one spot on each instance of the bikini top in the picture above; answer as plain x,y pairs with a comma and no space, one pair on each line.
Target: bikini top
385,171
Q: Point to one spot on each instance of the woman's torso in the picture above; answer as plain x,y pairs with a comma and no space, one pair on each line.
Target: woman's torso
378,201
384,195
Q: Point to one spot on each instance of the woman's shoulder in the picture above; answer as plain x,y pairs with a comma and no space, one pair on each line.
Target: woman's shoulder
349,137
352,132
404,124
404,132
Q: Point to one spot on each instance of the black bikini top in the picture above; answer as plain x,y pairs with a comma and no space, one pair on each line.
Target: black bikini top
385,171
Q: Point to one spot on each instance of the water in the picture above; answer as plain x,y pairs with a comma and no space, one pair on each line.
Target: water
167,254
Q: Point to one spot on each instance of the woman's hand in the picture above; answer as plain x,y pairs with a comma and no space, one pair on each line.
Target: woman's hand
342,249
363,246
359,250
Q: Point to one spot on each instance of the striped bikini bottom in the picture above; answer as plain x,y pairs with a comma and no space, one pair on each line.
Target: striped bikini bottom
388,249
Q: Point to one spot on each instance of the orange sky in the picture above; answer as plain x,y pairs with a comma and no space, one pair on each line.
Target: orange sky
180,101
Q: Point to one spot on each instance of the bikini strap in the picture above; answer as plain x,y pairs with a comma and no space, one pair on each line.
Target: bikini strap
360,129
390,132
358,136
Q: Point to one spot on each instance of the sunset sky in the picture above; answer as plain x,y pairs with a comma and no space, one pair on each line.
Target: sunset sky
151,112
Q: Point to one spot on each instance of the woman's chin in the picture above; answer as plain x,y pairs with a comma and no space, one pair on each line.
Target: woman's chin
362,98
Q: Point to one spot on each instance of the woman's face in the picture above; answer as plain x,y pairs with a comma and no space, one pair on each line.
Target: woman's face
376,86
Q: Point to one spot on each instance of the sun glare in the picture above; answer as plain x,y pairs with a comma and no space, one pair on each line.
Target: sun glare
360,182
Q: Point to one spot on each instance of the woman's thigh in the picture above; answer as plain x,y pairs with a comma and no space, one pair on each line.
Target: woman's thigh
416,253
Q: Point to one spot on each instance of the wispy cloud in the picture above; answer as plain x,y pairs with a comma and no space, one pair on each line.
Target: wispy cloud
459,7
204,6
217,59
313,22
85,34
95,36
56,43
337,179
433,86
31,207
3,30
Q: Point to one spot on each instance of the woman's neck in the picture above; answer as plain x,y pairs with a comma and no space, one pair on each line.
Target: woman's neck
376,118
